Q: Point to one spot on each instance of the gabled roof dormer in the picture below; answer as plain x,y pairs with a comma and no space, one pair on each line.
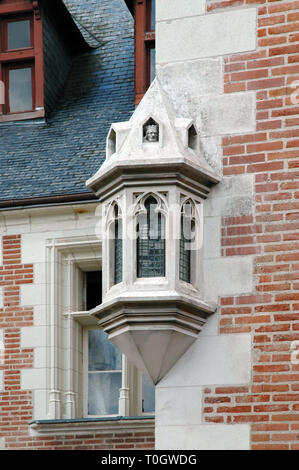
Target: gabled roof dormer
38,42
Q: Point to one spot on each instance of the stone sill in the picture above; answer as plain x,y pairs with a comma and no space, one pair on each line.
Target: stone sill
91,425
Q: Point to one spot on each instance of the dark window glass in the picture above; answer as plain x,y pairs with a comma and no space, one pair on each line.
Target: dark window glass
185,253
18,34
20,89
93,289
151,242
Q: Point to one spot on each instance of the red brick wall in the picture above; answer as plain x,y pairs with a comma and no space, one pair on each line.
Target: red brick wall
115,440
16,407
271,403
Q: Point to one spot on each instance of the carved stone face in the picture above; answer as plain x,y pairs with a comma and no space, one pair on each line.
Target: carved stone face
152,134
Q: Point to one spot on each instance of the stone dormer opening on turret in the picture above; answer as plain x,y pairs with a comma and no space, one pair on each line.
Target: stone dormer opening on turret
38,42
111,143
192,138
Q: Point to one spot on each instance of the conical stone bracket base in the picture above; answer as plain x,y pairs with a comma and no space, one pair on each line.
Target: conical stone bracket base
153,334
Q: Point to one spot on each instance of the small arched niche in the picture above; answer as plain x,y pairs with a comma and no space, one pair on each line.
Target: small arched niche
192,138
151,131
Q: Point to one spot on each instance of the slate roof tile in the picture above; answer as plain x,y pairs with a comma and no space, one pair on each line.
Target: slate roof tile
56,157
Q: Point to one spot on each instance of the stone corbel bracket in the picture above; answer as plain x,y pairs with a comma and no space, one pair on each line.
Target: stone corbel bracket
153,332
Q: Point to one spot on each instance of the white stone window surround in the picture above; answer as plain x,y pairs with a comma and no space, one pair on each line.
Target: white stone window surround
67,259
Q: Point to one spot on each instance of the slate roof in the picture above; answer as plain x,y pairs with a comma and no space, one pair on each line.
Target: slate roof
55,158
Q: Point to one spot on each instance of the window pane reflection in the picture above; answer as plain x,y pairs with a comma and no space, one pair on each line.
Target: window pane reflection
103,393
102,355
20,90
18,34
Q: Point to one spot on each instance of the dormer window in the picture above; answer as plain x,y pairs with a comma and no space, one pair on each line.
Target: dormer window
21,61
38,41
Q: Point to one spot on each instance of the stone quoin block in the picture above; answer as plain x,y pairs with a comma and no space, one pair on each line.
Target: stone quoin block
206,36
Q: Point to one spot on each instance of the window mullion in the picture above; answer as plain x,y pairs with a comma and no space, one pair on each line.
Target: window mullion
124,392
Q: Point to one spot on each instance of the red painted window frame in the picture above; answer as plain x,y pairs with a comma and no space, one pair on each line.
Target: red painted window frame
32,56
144,41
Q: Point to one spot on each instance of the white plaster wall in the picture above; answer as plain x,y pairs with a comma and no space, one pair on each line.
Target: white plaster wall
191,45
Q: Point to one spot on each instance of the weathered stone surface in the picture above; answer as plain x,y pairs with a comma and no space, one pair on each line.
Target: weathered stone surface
199,77
227,276
224,359
186,406
206,36
204,437
233,196
179,9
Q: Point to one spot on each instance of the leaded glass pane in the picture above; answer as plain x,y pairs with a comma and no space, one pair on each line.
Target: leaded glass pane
185,254
151,242
102,355
18,34
118,252
103,393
